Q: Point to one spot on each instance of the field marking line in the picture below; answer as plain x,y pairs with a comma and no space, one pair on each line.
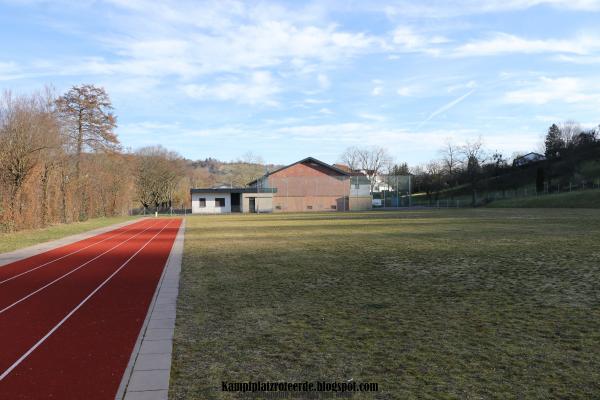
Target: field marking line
47,335
66,255
71,271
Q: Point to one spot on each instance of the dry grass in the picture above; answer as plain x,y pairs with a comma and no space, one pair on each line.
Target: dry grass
429,304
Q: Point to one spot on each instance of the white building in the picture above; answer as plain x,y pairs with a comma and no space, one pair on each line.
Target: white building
228,200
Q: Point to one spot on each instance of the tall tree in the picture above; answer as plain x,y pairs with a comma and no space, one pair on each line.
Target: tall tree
89,120
474,155
554,142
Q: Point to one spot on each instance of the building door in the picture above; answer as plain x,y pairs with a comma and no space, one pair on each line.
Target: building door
235,202
252,204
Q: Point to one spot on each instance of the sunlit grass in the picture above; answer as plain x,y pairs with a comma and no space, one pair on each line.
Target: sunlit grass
429,304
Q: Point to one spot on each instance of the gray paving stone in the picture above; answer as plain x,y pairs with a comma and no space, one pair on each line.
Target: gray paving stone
148,362
161,323
162,314
162,346
148,380
158,334
148,395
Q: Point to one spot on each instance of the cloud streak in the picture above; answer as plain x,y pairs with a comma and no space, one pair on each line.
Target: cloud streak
446,107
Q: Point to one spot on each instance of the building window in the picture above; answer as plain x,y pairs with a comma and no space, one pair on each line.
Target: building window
334,207
219,202
202,202
309,207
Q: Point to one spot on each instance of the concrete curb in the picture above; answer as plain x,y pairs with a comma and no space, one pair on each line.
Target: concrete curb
148,371
16,255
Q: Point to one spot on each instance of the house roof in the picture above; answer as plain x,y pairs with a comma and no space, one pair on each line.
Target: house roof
529,155
305,160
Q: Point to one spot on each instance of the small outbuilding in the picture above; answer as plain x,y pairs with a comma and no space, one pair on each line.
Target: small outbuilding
231,200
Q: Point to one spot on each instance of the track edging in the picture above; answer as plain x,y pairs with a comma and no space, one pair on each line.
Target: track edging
148,372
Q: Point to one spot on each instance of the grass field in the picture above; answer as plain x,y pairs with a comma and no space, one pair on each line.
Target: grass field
17,240
579,199
448,304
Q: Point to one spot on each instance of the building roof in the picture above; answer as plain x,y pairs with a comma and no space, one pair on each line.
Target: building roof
305,160
233,190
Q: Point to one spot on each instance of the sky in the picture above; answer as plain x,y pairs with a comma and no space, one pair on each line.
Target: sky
286,80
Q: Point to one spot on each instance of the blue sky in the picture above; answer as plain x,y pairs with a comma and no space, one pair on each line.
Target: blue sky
285,80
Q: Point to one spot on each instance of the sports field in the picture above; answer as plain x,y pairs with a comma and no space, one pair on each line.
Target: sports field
486,303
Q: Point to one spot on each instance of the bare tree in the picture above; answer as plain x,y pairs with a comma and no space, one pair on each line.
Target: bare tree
89,125
569,130
474,155
157,176
351,158
26,127
451,158
373,162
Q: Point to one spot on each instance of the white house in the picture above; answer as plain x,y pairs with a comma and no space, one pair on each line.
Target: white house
228,200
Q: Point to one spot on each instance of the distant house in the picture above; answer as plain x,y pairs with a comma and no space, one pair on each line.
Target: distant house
529,158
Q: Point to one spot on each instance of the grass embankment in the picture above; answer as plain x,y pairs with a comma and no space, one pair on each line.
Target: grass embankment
579,199
17,240
430,304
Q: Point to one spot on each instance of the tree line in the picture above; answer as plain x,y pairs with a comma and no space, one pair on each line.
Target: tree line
570,152
61,161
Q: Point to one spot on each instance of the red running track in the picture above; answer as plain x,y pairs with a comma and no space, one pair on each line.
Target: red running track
69,317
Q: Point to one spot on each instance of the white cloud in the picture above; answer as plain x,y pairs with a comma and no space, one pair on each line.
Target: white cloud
437,9
259,89
407,91
324,81
547,90
503,43
372,117
407,39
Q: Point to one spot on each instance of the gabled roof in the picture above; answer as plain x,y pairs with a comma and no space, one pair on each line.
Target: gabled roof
305,160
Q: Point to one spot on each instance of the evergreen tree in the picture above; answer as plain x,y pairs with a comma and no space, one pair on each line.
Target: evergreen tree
554,142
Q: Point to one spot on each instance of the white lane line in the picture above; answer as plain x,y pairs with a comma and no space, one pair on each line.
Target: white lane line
70,272
66,255
47,335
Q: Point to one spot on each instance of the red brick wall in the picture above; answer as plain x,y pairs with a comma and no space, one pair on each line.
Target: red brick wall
304,185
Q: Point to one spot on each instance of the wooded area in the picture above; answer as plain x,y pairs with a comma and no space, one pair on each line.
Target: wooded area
61,161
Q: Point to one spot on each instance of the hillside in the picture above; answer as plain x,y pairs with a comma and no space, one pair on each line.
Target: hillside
580,199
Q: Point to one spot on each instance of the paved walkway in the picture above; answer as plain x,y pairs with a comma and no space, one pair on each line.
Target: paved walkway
147,375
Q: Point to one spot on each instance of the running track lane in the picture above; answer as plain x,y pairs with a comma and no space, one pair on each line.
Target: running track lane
29,277
74,339
10,271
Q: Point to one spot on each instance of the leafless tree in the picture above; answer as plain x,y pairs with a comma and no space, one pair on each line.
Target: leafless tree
26,130
351,158
373,162
157,176
451,158
89,125
569,131
474,156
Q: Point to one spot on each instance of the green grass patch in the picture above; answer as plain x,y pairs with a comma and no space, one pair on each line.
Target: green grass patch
578,199
17,240
440,304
